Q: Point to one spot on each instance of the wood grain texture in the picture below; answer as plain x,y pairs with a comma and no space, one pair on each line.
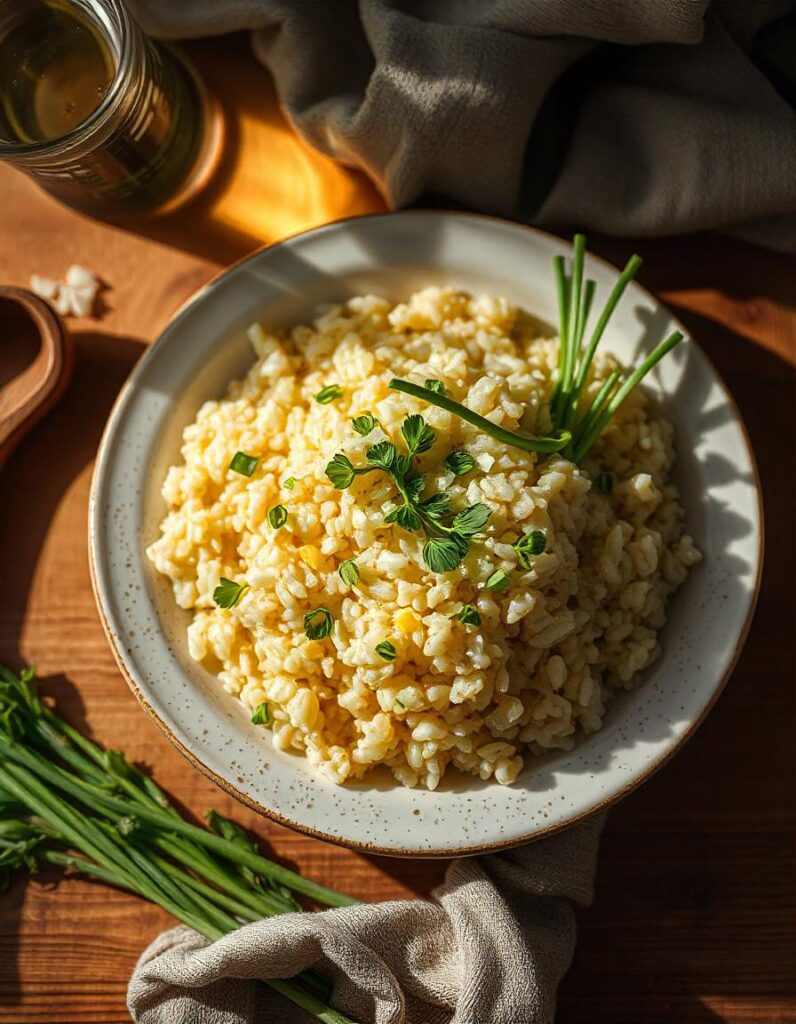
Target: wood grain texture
695,917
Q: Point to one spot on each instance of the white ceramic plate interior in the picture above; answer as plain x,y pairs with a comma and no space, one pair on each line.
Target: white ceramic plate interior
194,359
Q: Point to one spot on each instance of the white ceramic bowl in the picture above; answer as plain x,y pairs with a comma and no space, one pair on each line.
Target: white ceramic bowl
393,254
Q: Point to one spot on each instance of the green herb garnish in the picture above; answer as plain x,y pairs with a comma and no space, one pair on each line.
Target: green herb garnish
469,616
436,386
290,483
443,554
419,438
243,463
459,463
364,424
341,472
329,394
499,580
349,572
576,423
66,802
447,532
318,623
471,520
228,592
604,483
382,455
277,516
525,442
568,409
386,650
530,544
262,714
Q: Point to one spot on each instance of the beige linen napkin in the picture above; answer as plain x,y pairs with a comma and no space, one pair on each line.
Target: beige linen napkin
630,117
490,949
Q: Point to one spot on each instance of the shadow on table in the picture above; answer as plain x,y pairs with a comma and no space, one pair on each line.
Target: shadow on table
46,463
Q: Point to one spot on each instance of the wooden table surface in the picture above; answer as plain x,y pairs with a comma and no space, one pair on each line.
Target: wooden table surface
695,916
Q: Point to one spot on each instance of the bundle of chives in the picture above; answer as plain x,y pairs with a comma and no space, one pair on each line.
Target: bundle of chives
68,802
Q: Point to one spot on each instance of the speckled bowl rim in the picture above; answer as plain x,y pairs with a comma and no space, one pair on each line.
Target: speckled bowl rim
536,833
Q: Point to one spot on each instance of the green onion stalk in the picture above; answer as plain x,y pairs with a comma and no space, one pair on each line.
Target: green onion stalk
576,422
68,802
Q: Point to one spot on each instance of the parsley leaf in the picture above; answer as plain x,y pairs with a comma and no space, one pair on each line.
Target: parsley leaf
382,454
243,463
471,520
436,507
290,483
364,424
262,714
402,468
386,650
443,554
419,438
228,592
329,394
340,472
406,516
413,485
318,623
459,463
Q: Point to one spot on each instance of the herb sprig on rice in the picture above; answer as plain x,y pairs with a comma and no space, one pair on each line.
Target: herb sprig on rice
448,532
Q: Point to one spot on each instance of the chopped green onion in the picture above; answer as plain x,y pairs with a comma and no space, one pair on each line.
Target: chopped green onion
243,463
400,704
604,483
435,385
290,483
318,623
469,616
364,424
228,592
459,463
530,544
499,580
277,516
329,394
262,714
525,442
349,572
386,650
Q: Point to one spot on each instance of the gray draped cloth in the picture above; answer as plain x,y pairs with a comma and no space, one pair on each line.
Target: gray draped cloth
490,949
629,117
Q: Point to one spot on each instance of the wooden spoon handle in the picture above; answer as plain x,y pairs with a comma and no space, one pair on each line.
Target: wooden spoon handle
25,399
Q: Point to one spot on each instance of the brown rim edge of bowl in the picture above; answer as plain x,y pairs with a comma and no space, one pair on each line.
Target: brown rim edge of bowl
374,848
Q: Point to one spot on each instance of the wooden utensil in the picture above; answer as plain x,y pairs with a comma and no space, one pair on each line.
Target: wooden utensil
29,389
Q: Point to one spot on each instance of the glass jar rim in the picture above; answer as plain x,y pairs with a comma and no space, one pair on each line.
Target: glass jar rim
124,42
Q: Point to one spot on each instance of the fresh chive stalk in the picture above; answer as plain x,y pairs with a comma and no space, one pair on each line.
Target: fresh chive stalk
67,802
568,411
525,442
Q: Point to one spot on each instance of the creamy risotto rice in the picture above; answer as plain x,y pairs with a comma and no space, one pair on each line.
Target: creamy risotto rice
573,625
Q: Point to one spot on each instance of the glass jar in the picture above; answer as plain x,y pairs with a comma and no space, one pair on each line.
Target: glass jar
94,111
